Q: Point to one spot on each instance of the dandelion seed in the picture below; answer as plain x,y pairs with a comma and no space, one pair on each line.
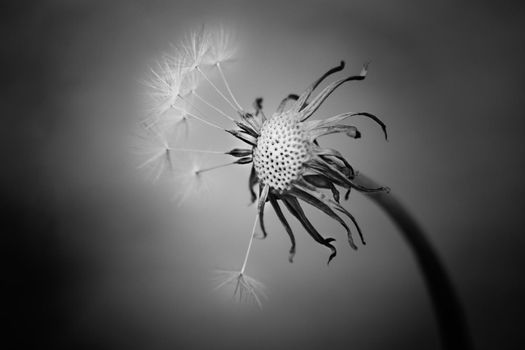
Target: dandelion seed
225,81
222,50
214,107
219,92
164,85
173,122
187,179
222,46
246,288
155,151
199,118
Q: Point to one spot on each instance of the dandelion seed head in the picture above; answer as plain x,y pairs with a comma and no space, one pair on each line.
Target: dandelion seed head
164,87
190,82
288,163
175,122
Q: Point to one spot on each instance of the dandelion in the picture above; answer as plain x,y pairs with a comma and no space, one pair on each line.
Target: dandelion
164,86
288,165
247,289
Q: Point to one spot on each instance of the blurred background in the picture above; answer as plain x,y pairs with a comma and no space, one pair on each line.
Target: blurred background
98,257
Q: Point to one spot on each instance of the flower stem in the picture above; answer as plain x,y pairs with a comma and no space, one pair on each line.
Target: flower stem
447,307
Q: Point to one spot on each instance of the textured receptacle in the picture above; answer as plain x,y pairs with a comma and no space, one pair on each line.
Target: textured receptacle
281,151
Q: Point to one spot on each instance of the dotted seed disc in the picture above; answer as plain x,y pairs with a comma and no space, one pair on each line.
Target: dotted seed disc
281,151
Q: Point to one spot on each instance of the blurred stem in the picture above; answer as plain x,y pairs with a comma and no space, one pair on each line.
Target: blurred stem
447,307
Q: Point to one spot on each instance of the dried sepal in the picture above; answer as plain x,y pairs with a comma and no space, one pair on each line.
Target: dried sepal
295,209
244,160
323,95
246,289
315,124
287,227
321,181
349,130
253,122
243,137
240,152
282,105
263,196
338,176
302,100
257,105
252,181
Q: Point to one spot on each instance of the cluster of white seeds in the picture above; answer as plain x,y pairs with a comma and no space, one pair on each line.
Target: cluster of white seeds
281,151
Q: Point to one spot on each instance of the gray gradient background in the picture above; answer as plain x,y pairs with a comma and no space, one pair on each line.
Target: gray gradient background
100,259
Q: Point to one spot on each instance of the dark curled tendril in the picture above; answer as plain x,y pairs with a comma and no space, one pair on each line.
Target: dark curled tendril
248,129
303,99
287,227
290,97
295,209
327,91
325,208
257,105
263,196
252,181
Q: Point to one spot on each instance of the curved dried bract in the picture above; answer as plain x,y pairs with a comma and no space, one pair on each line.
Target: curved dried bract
287,227
302,100
295,209
327,91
